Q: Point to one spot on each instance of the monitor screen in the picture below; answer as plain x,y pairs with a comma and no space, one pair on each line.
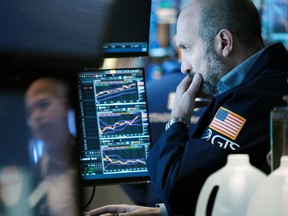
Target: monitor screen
114,130
52,33
127,33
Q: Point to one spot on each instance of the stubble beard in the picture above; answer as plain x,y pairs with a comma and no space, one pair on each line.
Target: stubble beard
215,70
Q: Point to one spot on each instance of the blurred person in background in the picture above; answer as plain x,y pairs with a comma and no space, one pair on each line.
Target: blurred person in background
48,103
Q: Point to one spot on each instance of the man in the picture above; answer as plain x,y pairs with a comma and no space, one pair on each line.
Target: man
47,104
224,56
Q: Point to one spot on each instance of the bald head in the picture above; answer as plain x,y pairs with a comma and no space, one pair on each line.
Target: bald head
52,86
188,24
240,17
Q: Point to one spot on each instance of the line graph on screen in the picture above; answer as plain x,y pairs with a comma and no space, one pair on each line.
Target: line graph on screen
111,91
120,123
121,158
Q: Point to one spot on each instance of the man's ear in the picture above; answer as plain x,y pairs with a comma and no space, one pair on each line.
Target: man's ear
224,43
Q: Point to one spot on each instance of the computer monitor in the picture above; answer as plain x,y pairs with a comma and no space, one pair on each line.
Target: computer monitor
46,35
114,129
127,32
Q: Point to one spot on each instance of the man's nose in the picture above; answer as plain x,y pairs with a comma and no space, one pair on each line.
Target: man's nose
185,67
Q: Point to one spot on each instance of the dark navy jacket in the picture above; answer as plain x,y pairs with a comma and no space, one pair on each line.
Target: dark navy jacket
180,163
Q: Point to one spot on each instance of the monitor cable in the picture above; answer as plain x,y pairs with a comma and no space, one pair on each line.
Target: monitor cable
91,198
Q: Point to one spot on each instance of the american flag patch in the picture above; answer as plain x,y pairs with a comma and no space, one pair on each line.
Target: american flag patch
227,123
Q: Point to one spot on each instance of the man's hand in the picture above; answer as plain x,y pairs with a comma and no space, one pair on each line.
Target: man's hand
125,210
186,92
